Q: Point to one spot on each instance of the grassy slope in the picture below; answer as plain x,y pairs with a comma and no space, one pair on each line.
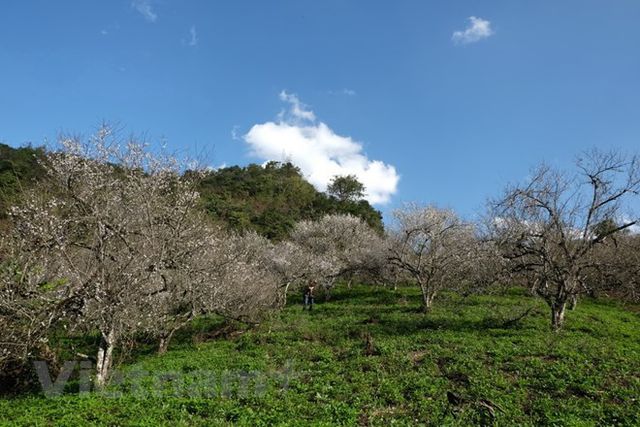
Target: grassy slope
586,375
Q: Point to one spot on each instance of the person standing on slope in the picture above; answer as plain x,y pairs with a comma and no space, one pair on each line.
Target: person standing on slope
308,296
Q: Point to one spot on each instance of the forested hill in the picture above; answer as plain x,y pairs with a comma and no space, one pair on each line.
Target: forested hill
271,199
268,199
19,167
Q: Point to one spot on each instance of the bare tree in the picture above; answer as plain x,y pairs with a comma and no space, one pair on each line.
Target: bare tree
549,226
118,222
31,305
338,246
293,265
229,275
248,287
616,270
192,275
433,246
485,271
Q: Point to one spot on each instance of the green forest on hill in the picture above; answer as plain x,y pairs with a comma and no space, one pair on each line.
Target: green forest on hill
267,199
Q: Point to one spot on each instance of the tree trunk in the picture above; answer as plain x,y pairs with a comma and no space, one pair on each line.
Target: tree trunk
557,315
104,358
163,343
427,298
573,302
428,302
284,294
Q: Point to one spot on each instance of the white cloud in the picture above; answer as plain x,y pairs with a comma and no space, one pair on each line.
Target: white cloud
145,9
477,30
194,36
104,32
319,152
297,110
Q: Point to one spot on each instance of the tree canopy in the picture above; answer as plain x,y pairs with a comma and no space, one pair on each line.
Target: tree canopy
346,188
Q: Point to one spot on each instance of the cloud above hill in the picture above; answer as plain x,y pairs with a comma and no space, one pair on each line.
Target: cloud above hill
297,136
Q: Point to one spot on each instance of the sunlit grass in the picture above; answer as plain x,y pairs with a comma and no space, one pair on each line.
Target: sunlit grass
369,357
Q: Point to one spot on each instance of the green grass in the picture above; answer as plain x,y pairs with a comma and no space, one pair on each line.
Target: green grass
369,357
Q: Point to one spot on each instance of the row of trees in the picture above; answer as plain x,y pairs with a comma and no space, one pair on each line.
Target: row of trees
117,243
561,234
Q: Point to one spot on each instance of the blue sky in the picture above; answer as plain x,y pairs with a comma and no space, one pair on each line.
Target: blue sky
454,108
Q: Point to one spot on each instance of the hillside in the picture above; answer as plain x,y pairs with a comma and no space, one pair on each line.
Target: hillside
18,167
268,199
368,357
